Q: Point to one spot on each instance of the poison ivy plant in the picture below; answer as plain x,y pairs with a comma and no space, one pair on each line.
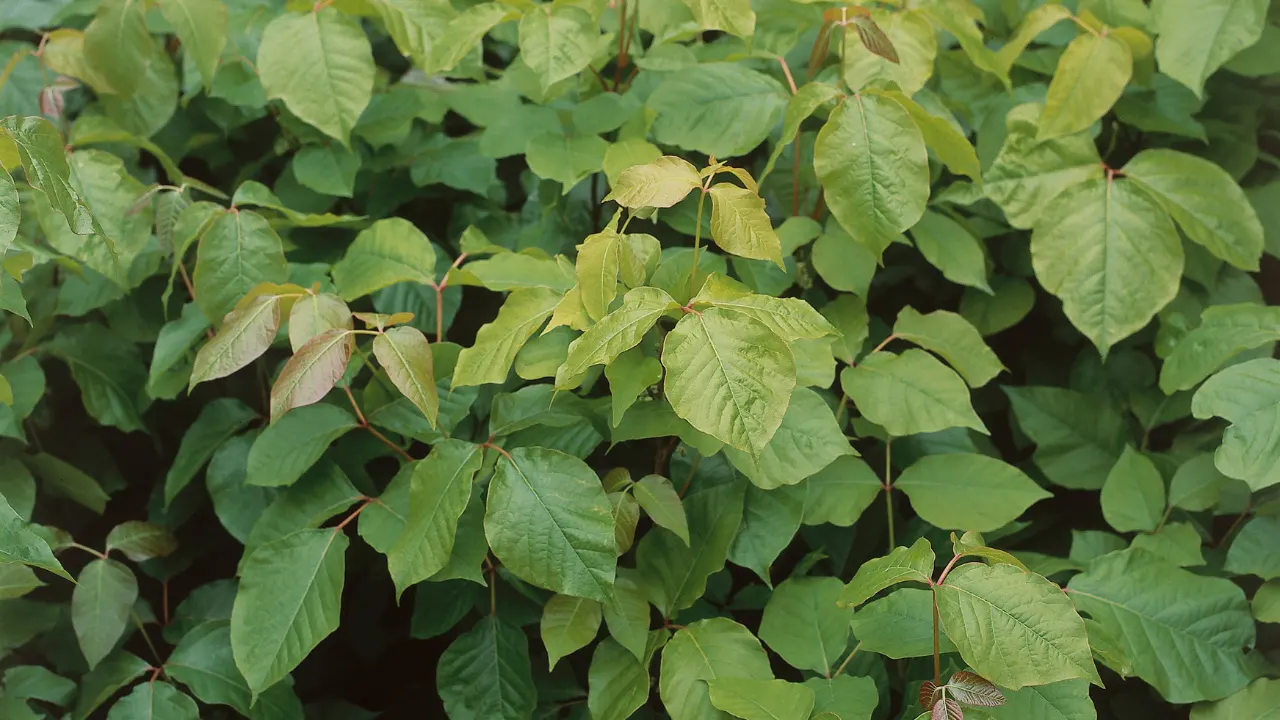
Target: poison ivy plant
585,359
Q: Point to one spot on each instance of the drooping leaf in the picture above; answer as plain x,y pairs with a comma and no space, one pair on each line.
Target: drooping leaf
968,492
118,45
244,337
486,673
141,541
740,225
405,353
616,332
618,682
952,337
568,624
312,372
18,544
1247,396
913,564
489,359
202,27
803,624
100,607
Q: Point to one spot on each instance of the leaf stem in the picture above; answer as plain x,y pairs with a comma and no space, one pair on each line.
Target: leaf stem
156,653
91,551
697,240
692,469
364,423
937,654
888,487
849,657
354,514
491,571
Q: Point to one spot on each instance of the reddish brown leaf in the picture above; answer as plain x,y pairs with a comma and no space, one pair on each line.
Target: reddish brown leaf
928,695
973,689
312,372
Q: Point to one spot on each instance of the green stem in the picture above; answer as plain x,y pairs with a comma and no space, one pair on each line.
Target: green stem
888,487
937,655
697,243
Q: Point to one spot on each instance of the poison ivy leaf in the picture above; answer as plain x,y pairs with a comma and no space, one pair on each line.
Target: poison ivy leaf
627,613
761,699
1252,551
1193,39
803,104
236,254
803,624
141,541
289,600
244,336
630,374
1028,173
839,493
875,188
558,42
1197,484
43,156
440,489
1011,300
313,314
67,480
1266,602
489,359
788,318
1077,439
705,651
203,661
568,624
17,581
968,492
18,544
913,564
1178,543
1224,332
406,355
464,31
1205,201
1063,700
618,682
321,493
720,109
661,503
556,501
994,613
944,138
511,271
486,673
312,372
661,183
1130,595
99,684
952,337
597,271
770,521
843,697
284,451
909,393
157,700
1091,75
202,28
100,607
732,16
176,339
1033,24
567,159
320,64
1258,700
1245,395
391,250
899,625
327,169
913,40
807,441
38,683
10,214
1133,495
118,45
1114,265
217,422
740,225
108,370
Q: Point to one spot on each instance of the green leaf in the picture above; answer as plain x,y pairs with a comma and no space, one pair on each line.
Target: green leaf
99,684
1109,252
909,393
952,337
729,376
843,697
18,544
176,339
202,27
440,489
141,541
944,138
155,701
1258,700
313,314
740,225
1033,24
1156,611
899,625
328,169
1224,332
1028,173
558,42
108,370
840,492
321,493
597,271
996,612
912,38
391,250
661,183
1091,75
1063,700
1077,439
100,607
312,372
770,521
618,682
217,422
871,160
803,624
236,254
704,651
1133,495
1193,39
320,64
661,503
1205,201
913,564
948,246
568,624
38,683
630,374
803,104
1252,551
1197,484
567,159
10,214
968,492
627,613
67,480
44,163
203,661
289,600
1266,602
1247,396
675,574
16,581
406,355
548,521
788,318
246,334
732,16
808,440
489,359
761,699
284,451
720,109
486,673
1178,543
118,45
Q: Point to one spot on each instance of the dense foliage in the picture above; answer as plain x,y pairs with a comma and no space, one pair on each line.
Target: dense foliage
642,358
